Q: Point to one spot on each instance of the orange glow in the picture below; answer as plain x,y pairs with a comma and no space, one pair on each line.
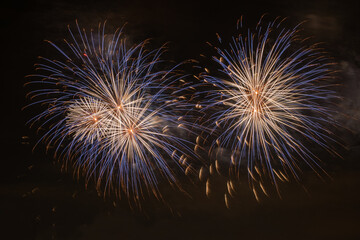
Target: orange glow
131,131
120,107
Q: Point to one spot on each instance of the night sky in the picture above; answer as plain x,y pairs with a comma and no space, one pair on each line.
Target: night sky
39,201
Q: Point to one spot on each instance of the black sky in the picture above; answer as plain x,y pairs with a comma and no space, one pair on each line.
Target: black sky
38,201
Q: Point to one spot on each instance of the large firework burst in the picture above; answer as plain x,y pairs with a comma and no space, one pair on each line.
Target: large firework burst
111,113
269,102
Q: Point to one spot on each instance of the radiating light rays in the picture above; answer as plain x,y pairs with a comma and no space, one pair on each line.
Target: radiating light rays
120,121
111,114
87,120
269,102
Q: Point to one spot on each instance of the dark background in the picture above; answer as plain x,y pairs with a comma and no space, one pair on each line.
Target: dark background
38,201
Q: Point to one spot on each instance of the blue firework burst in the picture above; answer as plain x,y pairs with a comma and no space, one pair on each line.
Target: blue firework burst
111,113
271,99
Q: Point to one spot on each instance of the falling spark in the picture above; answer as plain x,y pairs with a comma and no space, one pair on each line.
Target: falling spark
208,188
202,173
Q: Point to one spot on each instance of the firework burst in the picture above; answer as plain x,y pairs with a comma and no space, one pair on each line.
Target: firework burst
270,103
111,113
